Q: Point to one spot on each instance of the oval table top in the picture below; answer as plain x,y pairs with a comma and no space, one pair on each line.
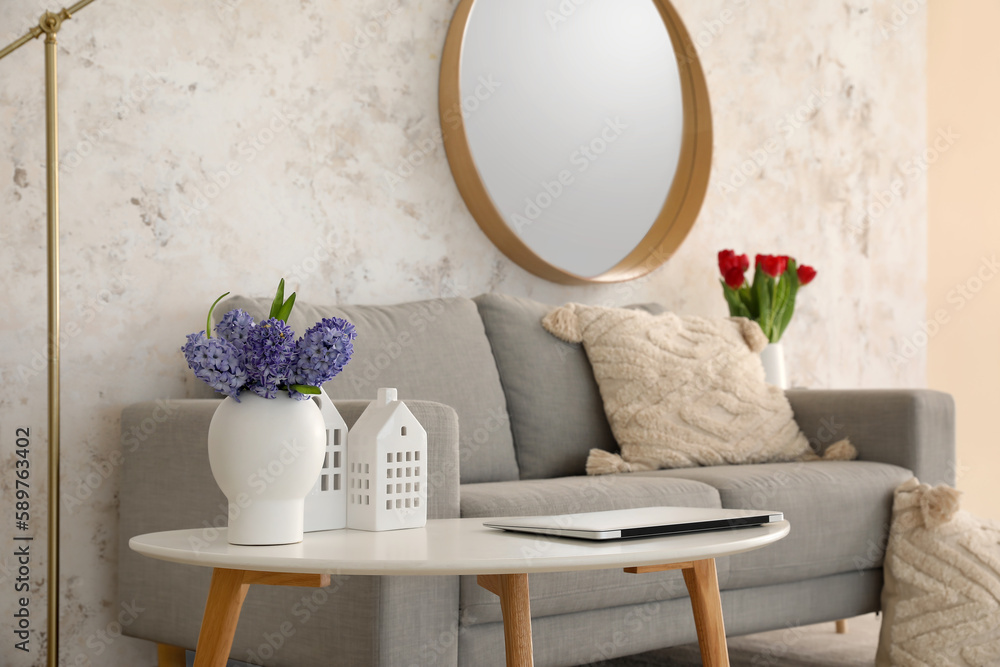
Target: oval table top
447,547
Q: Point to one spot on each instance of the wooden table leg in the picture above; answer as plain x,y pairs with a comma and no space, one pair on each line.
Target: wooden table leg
222,610
703,587
515,606
222,613
170,656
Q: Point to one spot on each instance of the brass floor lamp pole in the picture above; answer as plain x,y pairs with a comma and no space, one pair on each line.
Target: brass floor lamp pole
49,25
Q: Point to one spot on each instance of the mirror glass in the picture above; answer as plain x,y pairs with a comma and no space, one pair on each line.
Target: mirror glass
573,125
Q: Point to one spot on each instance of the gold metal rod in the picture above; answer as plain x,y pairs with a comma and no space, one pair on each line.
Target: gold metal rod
50,24
78,6
52,165
37,31
14,46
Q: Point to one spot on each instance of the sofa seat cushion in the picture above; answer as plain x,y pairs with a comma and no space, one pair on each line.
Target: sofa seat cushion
566,592
433,350
839,513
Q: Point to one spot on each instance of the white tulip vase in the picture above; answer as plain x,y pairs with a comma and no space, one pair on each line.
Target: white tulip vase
773,358
266,455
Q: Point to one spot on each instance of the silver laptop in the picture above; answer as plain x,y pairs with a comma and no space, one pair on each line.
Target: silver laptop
640,522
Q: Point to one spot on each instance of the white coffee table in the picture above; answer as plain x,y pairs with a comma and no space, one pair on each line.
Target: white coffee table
501,560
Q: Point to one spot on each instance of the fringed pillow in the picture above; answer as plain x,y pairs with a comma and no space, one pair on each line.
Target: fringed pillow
941,597
683,391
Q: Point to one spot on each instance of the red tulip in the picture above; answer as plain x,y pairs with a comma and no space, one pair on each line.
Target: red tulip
727,260
782,263
772,265
806,274
734,277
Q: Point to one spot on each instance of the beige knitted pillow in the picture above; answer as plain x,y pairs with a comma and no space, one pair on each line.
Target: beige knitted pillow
941,597
683,391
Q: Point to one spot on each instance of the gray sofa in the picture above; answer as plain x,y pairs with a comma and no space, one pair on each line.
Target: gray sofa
511,414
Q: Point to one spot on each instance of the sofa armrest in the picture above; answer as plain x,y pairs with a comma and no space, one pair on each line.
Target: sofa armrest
167,484
910,428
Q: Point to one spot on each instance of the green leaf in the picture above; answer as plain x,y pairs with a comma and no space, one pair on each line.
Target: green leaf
746,296
286,309
781,291
783,318
279,300
304,388
763,288
778,302
736,306
208,320
749,296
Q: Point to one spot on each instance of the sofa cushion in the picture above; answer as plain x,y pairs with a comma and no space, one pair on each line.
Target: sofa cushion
941,598
565,592
555,408
681,391
428,350
839,512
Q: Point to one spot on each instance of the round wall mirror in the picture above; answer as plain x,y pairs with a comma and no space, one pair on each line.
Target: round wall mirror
579,133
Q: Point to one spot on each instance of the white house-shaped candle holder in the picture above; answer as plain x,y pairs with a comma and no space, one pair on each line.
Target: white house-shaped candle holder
326,504
387,474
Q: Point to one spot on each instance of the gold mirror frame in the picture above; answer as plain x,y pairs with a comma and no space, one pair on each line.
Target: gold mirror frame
684,199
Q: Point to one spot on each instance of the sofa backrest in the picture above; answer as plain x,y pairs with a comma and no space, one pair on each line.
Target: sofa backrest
556,412
428,350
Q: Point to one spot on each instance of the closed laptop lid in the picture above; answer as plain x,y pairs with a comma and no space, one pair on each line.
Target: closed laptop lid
638,522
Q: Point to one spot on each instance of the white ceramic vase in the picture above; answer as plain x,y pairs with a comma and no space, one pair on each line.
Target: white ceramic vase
266,455
773,358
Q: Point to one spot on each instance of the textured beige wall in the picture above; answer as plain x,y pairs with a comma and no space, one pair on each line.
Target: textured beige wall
159,98
963,358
